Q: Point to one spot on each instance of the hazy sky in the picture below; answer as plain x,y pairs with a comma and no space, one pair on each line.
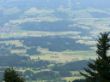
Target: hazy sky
86,18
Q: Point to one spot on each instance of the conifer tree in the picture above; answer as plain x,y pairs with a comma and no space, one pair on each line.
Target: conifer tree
11,75
99,69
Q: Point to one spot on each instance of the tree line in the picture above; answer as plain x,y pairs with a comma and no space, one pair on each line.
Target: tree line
98,70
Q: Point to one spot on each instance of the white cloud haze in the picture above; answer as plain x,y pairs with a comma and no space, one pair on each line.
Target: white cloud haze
88,22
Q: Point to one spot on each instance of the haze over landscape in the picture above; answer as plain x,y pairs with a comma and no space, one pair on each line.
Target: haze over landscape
50,40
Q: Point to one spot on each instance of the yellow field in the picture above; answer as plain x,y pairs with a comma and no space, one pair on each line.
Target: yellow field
63,57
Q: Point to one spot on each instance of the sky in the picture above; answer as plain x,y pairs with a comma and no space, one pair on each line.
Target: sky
83,19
